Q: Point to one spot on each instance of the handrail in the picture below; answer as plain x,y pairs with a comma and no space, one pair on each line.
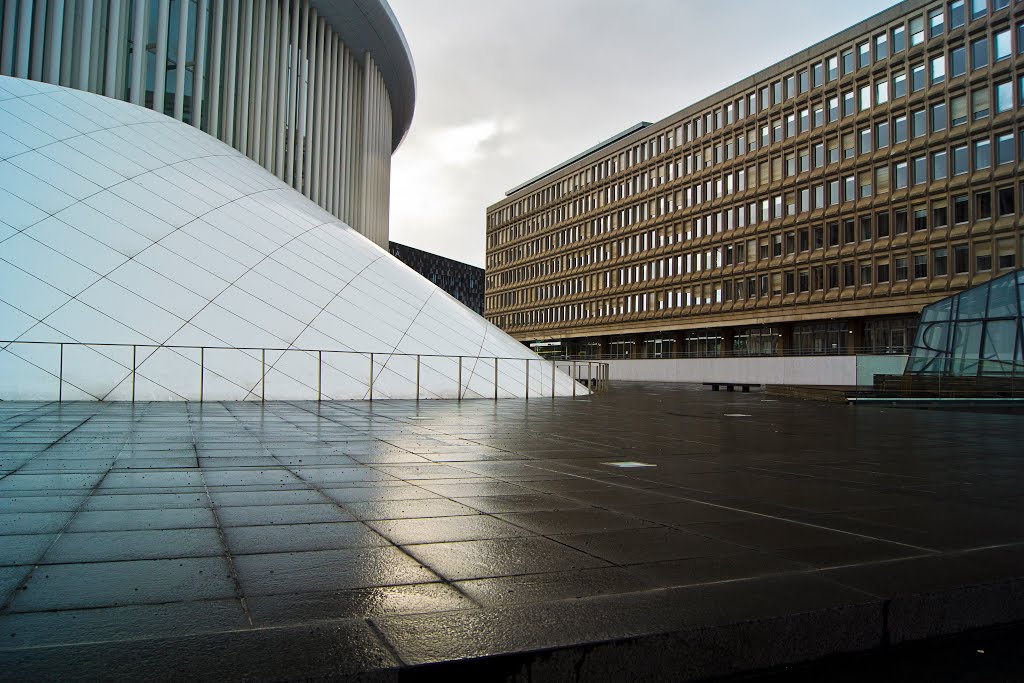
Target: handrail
595,377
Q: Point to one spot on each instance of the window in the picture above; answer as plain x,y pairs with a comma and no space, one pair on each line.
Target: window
833,151
920,219
956,14
899,130
882,224
882,135
819,116
940,215
982,205
833,68
920,266
939,169
803,81
805,117
848,103
917,81
958,111
847,62
850,188
978,9
982,154
865,228
936,23
982,258
863,55
816,75
979,54
899,175
1005,201
833,234
881,94
960,209
1005,149
900,222
916,33
960,160
882,47
980,104
940,262
865,273
1006,254
849,231
818,234
882,272
777,92
919,123
938,70
938,117
920,170
882,179
958,61
961,258
819,154
901,268
848,275
899,85
899,40
790,87
1004,97
805,160
1001,48
864,138
833,109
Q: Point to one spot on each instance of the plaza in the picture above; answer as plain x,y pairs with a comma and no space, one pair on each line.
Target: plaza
502,539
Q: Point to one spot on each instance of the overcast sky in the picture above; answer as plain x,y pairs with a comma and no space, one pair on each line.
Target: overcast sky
509,88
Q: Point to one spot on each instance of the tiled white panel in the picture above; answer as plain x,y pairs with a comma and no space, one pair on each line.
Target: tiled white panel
170,237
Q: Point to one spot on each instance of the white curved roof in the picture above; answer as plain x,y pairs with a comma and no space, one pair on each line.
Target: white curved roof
120,225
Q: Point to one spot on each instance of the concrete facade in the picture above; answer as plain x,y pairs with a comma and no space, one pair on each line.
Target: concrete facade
814,370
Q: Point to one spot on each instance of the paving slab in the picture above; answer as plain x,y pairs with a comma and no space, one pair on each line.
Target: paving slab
402,540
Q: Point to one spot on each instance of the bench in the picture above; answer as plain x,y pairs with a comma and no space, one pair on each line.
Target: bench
730,386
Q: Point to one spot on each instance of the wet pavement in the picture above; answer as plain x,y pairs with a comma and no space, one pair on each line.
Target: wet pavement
289,540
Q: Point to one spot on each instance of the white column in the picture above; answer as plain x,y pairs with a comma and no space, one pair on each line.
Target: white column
270,118
245,79
55,20
138,73
38,40
294,160
364,174
85,46
213,127
327,137
180,60
316,103
160,79
113,48
7,38
285,40
259,71
24,39
199,68
231,74
312,68
67,50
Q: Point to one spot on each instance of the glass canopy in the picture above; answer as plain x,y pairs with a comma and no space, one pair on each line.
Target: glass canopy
975,333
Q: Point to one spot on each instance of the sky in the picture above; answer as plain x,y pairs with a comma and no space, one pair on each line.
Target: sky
507,89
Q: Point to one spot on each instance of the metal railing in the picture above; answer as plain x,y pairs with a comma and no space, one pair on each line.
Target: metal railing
511,376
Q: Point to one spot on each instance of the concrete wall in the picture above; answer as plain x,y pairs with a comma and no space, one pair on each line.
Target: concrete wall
824,370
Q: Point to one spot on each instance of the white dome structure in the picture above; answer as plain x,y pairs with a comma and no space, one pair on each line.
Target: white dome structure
167,251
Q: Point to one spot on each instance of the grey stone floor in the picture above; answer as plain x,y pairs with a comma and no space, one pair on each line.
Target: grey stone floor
240,540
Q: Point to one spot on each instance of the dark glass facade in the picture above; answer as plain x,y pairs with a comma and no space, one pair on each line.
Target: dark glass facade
461,280
975,333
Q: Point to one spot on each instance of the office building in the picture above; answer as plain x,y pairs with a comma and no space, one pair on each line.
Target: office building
462,281
814,207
